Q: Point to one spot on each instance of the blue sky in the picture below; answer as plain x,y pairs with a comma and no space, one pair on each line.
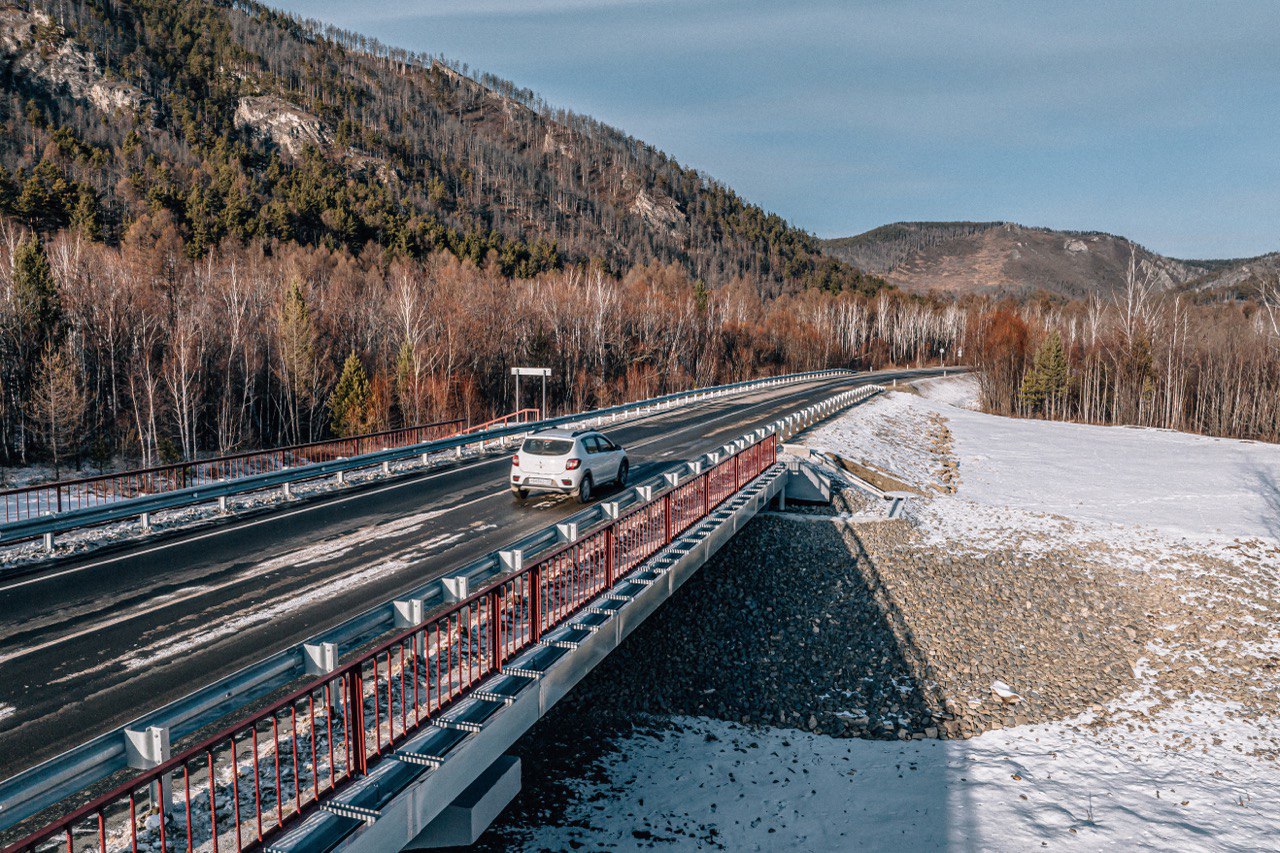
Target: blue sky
1156,120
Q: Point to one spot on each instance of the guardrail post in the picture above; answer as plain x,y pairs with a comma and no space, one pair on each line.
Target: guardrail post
48,541
409,612
288,490
145,520
319,658
456,588
342,478
386,466
146,749
222,504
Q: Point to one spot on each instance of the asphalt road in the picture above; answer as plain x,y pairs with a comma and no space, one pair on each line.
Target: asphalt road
89,645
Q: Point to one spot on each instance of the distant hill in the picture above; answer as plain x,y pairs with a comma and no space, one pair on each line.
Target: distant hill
996,258
233,121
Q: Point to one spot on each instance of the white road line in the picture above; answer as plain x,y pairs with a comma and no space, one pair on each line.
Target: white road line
196,593
273,517
243,526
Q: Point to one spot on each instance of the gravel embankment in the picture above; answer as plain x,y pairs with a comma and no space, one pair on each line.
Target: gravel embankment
849,630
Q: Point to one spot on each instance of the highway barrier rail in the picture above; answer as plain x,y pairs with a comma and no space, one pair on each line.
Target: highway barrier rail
142,506
252,780
27,502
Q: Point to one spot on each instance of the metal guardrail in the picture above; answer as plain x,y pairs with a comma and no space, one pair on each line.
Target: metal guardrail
40,787
278,764
27,502
50,525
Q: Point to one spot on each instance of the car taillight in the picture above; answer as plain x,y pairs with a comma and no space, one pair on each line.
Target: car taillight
515,461
572,464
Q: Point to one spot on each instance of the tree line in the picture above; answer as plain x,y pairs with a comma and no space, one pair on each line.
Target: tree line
142,352
1143,357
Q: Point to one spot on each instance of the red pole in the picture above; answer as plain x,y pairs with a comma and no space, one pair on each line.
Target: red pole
535,603
610,540
355,722
495,627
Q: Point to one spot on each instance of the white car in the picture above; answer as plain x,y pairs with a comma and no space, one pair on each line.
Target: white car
572,463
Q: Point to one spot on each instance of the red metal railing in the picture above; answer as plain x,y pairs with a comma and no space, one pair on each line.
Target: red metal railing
250,781
32,501
520,416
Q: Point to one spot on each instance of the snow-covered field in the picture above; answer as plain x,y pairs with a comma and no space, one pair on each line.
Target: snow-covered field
1175,482
715,784
1186,761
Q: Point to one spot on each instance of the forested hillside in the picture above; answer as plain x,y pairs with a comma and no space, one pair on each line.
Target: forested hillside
221,227
228,120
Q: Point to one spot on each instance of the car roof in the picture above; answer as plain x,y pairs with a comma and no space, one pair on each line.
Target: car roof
561,433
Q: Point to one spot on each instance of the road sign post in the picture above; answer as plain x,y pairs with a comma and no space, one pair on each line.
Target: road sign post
544,372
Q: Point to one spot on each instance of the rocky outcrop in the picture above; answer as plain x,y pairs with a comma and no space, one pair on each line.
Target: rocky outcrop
659,211
290,128
34,48
558,141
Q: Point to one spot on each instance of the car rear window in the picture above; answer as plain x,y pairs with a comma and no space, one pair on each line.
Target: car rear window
546,446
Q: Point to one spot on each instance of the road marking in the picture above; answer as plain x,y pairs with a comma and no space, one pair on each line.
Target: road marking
243,526
277,516
257,569
194,593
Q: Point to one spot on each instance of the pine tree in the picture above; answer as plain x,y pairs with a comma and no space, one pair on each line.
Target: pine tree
299,369
84,216
39,305
1044,386
351,404
1055,374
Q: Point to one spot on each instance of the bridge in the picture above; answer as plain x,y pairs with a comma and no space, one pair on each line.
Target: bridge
346,671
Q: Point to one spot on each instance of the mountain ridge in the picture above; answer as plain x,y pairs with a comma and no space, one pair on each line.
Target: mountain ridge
236,121
1006,258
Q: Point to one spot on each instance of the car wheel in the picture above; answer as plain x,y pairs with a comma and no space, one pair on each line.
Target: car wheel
623,470
520,494
584,490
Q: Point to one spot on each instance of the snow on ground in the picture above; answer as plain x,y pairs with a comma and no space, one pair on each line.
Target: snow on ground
86,540
1186,761
1176,482
714,784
